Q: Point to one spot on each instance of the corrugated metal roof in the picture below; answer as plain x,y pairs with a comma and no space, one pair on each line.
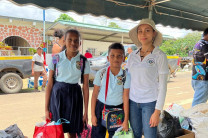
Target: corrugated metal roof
95,32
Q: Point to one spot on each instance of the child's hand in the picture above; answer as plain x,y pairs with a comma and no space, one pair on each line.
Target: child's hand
85,118
125,126
47,115
155,118
94,120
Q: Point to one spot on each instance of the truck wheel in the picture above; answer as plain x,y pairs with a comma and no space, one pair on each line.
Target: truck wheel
11,83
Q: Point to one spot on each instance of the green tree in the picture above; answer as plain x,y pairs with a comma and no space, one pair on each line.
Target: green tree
113,25
65,17
181,46
32,51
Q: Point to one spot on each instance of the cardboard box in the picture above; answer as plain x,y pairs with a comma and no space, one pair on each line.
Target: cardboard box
187,134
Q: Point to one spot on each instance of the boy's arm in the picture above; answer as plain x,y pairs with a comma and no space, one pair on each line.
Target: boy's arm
126,104
86,96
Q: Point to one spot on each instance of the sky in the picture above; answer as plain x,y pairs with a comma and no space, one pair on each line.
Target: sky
35,13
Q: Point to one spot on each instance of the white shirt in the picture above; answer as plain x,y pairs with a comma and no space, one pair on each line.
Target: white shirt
40,59
145,74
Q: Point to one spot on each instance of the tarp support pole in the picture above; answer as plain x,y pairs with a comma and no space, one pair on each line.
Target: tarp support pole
122,39
47,43
44,26
44,46
150,9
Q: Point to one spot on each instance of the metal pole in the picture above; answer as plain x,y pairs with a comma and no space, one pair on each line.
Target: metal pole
44,53
43,25
122,39
150,9
47,44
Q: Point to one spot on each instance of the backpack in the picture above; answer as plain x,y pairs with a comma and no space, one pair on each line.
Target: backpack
82,64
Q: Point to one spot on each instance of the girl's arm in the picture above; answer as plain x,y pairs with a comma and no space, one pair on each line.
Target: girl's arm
93,104
86,96
154,120
48,93
126,109
162,91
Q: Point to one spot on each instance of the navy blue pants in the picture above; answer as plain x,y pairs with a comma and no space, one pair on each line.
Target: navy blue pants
99,131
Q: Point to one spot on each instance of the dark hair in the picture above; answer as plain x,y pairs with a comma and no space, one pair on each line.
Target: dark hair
72,31
63,48
59,33
205,32
116,46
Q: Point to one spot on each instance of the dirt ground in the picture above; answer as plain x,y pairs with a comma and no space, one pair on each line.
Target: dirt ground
27,108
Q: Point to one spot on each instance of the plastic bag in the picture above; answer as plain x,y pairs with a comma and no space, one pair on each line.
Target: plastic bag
122,134
3,134
198,116
49,129
169,127
174,109
86,133
12,132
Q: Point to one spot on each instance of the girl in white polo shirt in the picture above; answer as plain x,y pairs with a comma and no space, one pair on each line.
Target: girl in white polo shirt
148,68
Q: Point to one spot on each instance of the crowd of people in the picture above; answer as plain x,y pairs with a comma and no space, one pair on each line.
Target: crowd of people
141,95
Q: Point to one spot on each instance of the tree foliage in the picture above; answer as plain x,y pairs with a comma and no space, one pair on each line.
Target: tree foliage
113,25
181,46
65,17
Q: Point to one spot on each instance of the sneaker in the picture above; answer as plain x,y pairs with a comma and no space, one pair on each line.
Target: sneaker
43,88
36,90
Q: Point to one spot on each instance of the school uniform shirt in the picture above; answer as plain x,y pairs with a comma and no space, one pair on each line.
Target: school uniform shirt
40,59
115,87
145,74
69,71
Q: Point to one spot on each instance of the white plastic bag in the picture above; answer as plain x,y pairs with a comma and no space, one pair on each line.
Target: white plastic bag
199,119
175,109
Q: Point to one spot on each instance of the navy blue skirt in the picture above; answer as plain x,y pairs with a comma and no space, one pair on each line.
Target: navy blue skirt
66,102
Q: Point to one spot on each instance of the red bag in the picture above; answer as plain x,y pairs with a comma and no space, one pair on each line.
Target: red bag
49,129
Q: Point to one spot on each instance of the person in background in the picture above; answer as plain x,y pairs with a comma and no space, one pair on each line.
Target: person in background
200,70
57,47
88,54
38,69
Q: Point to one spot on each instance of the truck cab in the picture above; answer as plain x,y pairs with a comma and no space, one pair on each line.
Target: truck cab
12,70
